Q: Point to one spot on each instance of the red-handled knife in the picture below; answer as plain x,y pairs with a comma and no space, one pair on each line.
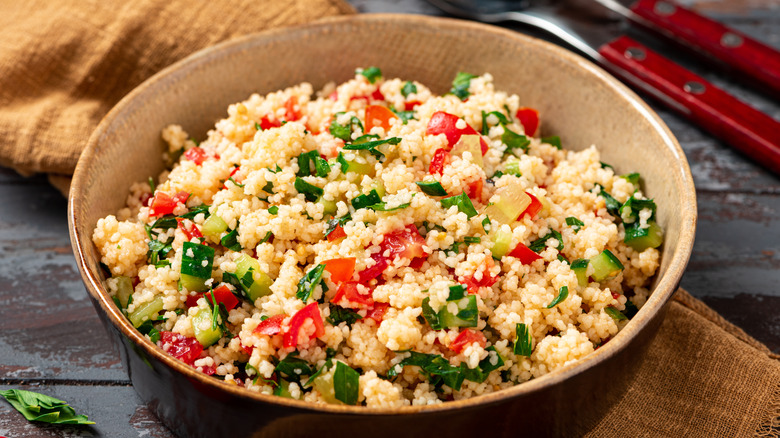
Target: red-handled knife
748,130
752,58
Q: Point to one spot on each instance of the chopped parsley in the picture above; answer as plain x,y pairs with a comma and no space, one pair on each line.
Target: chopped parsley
539,244
363,201
372,73
408,88
309,281
553,140
574,223
461,84
311,192
563,293
340,314
463,203
523,341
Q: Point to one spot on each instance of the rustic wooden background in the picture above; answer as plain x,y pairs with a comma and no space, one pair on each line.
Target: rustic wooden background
51,339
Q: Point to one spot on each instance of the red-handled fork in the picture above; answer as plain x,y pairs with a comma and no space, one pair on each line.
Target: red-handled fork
746,129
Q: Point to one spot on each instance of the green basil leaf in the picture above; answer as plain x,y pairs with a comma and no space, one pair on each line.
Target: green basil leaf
309,281
431,188
406,90
463,203
575,223
345,383
311,192
460,85
372,73
197,260
43,408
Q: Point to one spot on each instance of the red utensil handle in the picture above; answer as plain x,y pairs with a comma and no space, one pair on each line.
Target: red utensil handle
748,130
739,51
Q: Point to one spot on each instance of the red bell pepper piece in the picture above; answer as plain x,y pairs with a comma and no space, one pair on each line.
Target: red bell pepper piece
181,347
529,118
340,269
163,203
349,295
377,115
271,326
466,337
440,159
337,233
524,254
189,228
224,296
310,312
445,123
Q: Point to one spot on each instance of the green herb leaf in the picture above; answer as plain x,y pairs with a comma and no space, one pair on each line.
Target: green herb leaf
343,162
158,250
321,166
406,90
203,208
274,209
629,212
405,116
463,203
197,260
615,313
457,292
230,240
471,239
164,223
371,73
575,223
258,127
562,294
553,140
430,315
363,201
431,188
631,309
151,184
539,244
311,192
513,140
633,178
434,367
481,373
309,281
43,408
361,144
606,166
304,163
344,132
613,206
486,225
340,314
460,85
502,120
293,368
333,223
523,341
345,383
268,188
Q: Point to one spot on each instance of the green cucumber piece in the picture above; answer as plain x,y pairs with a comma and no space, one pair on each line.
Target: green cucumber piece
605,265
202,326
124,288
193,283
260,285
467,315
502,240
642,238
329,207
146,311
580,267
324,384
213,227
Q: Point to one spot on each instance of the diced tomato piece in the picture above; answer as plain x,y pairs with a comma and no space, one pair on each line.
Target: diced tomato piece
189,228
615,295
163,203
197,155
334,96
192,300
310,312
336,234
524,254
440,159
445,123
466,337
349,295
408,106
406,242
374,271
377,95
340,269
534,208
266,123
209,370
291,113
529,118
474,189
271,326
377,313
224,296
487,279
146,199
181,347
377,115
417,262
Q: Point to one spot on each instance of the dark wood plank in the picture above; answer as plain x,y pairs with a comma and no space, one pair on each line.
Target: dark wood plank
48,326
116,410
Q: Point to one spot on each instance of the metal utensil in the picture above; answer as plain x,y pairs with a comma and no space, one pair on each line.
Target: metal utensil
750,131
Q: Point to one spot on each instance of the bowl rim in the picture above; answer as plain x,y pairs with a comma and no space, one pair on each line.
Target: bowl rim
662,292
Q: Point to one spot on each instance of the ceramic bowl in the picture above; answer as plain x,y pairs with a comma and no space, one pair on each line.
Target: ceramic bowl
578,101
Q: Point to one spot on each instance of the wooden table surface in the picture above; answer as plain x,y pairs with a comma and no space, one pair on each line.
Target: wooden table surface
51,339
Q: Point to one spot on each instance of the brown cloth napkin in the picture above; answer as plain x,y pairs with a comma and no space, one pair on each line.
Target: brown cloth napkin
65,63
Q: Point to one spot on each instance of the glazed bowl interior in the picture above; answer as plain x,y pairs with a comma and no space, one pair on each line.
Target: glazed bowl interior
577,101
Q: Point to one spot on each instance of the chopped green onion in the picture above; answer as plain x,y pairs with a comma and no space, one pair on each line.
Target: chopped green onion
268,235
463,203
371,73
432,188
309,281
562,294
523,341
